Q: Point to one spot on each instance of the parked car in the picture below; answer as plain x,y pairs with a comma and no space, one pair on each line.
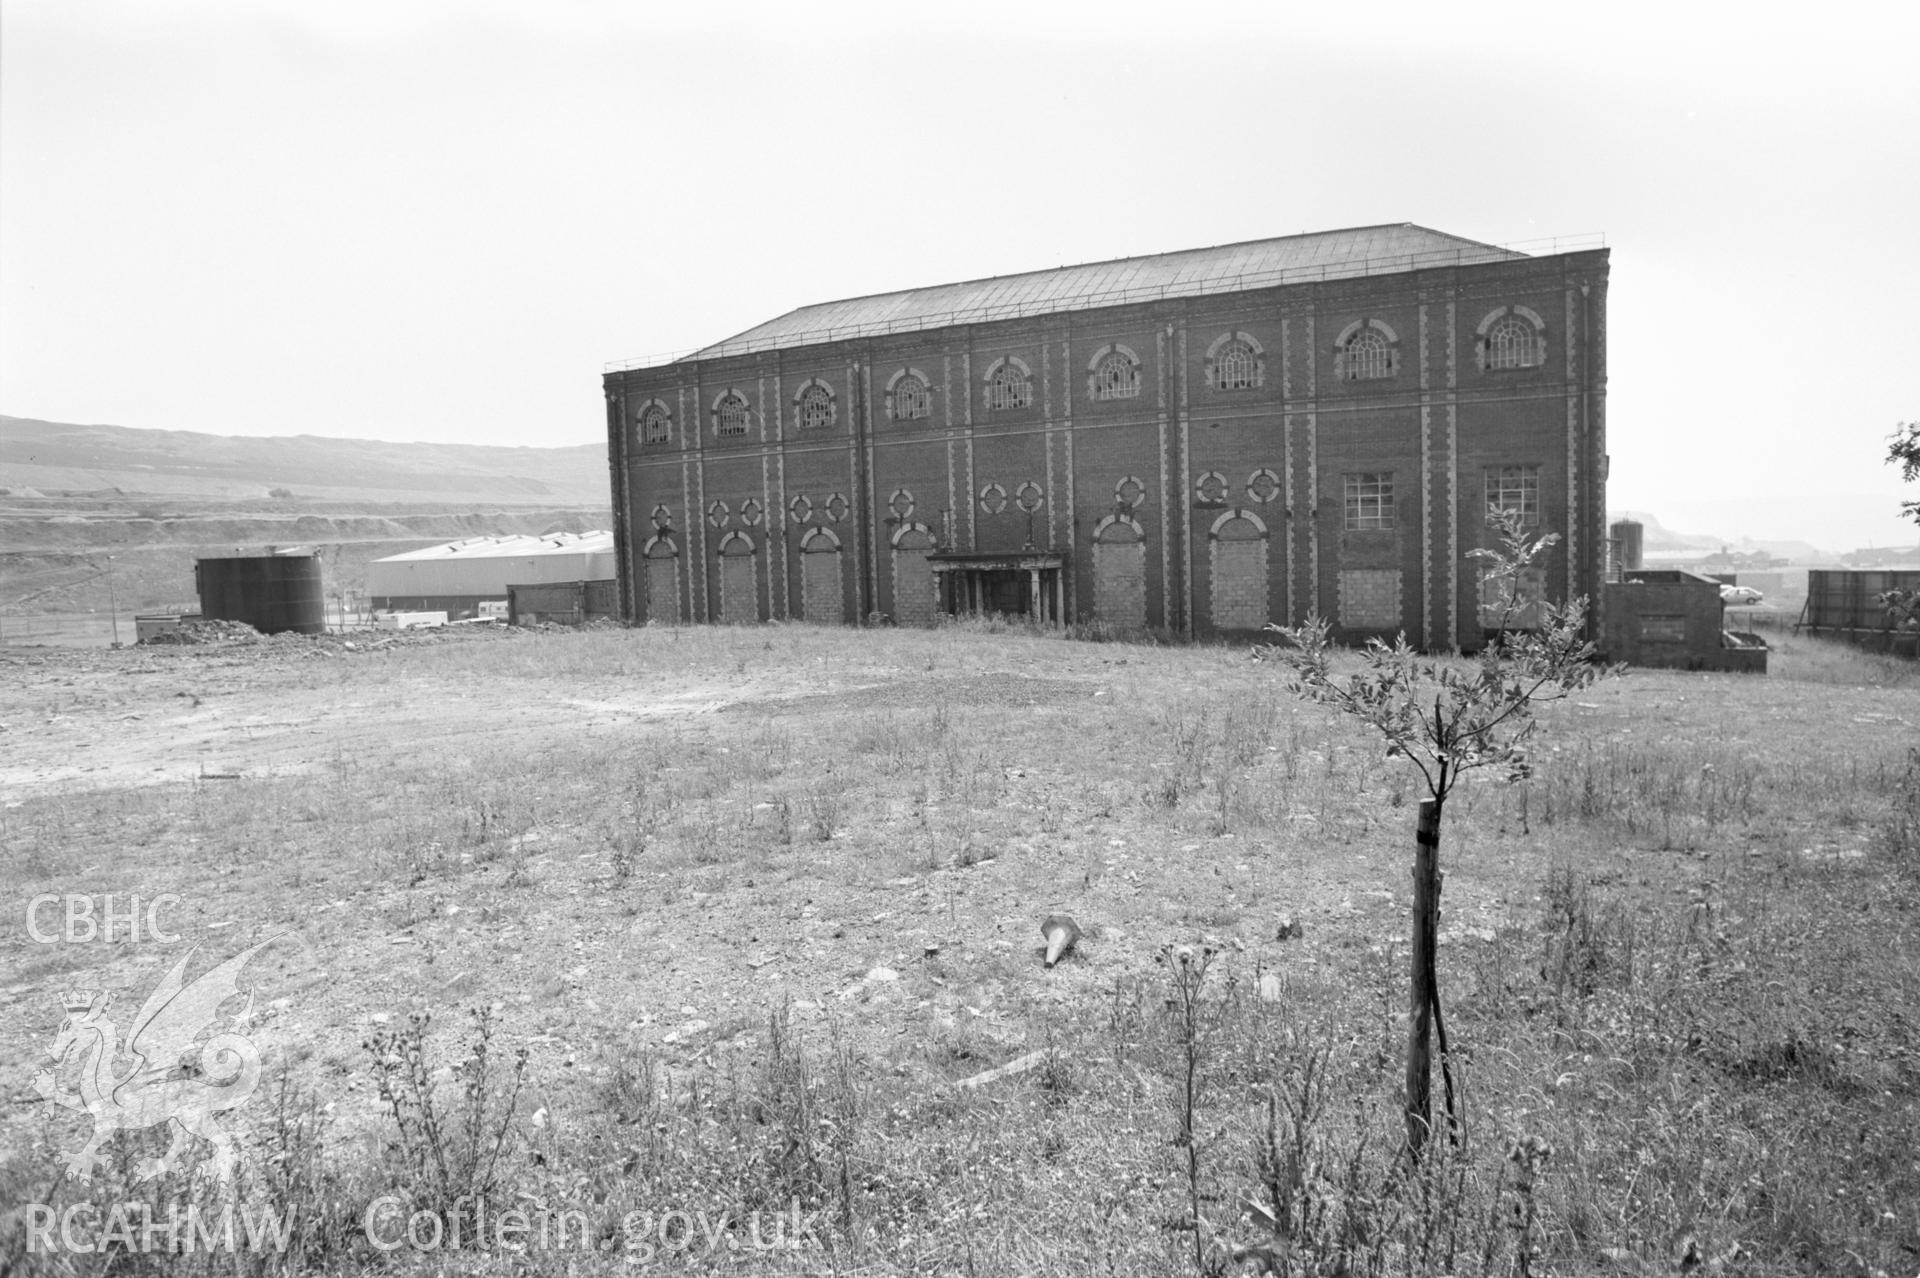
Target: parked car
1740,595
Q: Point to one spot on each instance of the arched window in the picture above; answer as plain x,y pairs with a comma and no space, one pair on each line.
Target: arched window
655,423
1366,350
1116,374
730,414
814,406
1512,337
1233,370
1009,386
1510,344
1235,361
1367,356
908,397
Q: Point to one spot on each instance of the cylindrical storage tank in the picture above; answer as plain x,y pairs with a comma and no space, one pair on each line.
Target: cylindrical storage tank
1631,536
271,593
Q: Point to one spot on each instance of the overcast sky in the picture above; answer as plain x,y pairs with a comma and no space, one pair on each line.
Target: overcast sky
438,221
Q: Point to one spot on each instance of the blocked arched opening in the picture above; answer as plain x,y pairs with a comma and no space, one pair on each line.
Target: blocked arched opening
739,599
1120,573
823,597
1237,571
662,581
914,599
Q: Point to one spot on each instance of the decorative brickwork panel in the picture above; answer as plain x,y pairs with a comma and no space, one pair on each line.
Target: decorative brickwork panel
913,601
822,600
1120,584
1238,575
1370,598
739,595
663,590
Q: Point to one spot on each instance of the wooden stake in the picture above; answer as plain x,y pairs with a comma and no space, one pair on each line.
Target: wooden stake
1423,983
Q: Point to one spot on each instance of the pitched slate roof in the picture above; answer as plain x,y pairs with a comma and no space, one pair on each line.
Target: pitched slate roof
1228,268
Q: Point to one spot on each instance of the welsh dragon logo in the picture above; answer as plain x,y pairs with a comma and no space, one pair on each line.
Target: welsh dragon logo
162,1084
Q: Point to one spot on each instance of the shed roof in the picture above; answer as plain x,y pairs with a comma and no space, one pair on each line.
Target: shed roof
517,547
1227,268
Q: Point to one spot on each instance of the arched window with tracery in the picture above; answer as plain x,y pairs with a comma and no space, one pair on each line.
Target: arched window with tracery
1116,374
908,397
730,414
813,406
656,424
1512,337
1234,367
1510,344
1235,362
1365,351
1367,356
1009,386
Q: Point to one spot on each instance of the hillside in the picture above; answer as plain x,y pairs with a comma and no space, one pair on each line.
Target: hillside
61,457
154,501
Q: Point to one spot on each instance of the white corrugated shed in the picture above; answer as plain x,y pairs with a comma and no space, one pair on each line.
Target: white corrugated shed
485,566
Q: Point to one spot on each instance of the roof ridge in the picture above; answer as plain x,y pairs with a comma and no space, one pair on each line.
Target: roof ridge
1102,261
1339,253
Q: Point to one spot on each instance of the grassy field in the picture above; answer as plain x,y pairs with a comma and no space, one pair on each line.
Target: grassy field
632,930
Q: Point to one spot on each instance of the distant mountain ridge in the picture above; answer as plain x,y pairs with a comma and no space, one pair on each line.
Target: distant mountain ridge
1656,538
64,457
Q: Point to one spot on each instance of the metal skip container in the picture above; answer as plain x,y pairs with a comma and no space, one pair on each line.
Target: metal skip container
271,593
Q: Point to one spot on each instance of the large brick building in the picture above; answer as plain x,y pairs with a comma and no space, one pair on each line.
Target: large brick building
1200,441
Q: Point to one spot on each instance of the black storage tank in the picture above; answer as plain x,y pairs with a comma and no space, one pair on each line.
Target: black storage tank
271,593
1631,536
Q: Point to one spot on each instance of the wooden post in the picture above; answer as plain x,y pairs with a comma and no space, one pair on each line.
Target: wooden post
1426,916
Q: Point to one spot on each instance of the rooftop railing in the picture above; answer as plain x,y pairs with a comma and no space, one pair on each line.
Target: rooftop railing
1200,285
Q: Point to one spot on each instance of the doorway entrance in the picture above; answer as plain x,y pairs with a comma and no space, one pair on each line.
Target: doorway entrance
1026,585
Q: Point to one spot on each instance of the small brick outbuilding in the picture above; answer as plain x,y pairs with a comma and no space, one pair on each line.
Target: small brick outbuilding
1674,619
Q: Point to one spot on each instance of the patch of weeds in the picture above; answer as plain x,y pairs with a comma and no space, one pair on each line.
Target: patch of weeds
1583,944
959,1049
1186,969
519,872
1900,833
823,814
1126,1017
447,1152
1056,1077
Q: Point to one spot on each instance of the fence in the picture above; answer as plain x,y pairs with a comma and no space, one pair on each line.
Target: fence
64,629
1845,603
566,603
